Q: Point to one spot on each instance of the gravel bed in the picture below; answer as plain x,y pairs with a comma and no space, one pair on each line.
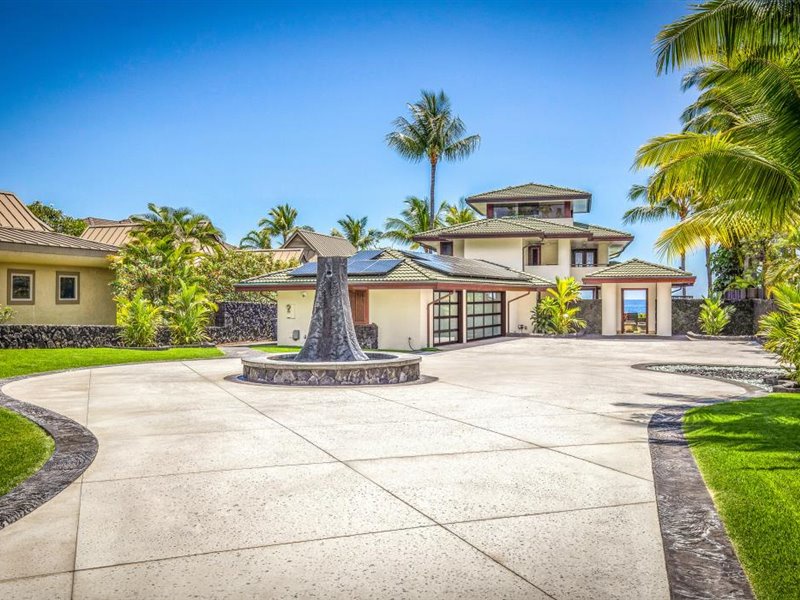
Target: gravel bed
760,377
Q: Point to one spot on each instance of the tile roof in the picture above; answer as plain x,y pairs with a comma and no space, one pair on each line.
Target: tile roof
323,245
115,233
522,227
50,239
411,270
14,214
635,268
530,191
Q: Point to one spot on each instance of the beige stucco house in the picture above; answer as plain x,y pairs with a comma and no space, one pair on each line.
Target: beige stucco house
528,235
51,278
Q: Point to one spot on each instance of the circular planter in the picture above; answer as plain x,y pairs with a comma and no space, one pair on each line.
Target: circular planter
381,369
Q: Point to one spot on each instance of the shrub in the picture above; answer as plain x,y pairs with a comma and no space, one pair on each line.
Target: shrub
139,319
781,328
557,313
6,314
714,317
189,313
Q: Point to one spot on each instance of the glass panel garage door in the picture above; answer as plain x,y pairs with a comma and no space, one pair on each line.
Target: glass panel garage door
484,315
446,329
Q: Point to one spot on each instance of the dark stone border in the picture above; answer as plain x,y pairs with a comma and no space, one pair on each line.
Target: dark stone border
700,560
75,449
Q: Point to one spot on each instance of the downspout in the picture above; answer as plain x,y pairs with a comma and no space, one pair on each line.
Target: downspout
508,305
429,314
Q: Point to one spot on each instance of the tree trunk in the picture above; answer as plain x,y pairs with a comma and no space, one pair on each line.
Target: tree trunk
709,274
432,196
331,333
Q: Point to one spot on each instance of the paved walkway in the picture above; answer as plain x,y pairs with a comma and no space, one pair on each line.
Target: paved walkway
523,472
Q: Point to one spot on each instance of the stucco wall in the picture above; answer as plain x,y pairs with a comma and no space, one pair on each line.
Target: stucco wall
503,251
95,307
399,315
519,311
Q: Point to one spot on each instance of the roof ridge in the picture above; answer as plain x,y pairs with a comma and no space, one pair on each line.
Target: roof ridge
582,224
547,185
642,261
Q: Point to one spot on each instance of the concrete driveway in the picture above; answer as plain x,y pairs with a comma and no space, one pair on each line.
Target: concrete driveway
523,472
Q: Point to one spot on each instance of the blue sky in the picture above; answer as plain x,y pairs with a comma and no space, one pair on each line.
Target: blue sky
232,108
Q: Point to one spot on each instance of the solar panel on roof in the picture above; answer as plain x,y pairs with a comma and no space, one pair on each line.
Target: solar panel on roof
464,267
310,268
354,267
381,267
366,255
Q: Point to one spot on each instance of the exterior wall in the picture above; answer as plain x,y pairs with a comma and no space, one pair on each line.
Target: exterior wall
400,315
294,313
659,307
95,307
664,309
611,308
503,251
518,312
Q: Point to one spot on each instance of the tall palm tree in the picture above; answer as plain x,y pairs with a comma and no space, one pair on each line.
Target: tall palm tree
280,221
414,219
257,239
357,232
179,225
456,214
432,132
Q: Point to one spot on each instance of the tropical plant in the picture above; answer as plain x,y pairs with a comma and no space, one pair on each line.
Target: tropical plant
781,328
432,133
280,221
456,214
714,316
357,233
56,219
740,144
414,219
6,314
189,313
139,319
217,274
178,226
256,239
557,313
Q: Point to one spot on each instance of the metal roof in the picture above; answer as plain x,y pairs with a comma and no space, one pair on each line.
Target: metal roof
15,215
50,239
323,245
115,233
413,271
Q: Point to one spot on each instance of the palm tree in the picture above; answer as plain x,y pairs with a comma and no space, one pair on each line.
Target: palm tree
179,225
432,132
357,233
257,239
280,220
414,219
456,214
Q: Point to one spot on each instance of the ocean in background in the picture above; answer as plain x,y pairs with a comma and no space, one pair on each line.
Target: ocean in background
637,306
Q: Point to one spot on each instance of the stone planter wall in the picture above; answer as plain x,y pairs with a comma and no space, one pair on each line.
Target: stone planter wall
367,336
234,322
592,313
744,320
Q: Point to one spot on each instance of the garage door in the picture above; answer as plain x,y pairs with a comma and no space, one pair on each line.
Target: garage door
446,322
484,315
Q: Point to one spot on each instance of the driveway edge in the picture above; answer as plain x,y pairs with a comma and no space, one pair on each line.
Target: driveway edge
700,560
75,449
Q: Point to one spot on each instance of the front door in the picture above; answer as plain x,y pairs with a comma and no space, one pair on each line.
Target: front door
634,311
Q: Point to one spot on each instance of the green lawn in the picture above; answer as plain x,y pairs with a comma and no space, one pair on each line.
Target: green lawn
23,362
749,455
24,448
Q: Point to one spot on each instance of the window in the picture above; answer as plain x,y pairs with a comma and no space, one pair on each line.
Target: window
533,256
588,293
67,288
21,287
446,248
446,321
359,305
584,258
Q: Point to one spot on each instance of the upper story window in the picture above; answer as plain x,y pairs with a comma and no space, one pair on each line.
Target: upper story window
446,248
549,210
533,256
67,288
586,257
21,287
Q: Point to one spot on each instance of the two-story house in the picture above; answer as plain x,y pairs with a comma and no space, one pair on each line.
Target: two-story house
481,279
